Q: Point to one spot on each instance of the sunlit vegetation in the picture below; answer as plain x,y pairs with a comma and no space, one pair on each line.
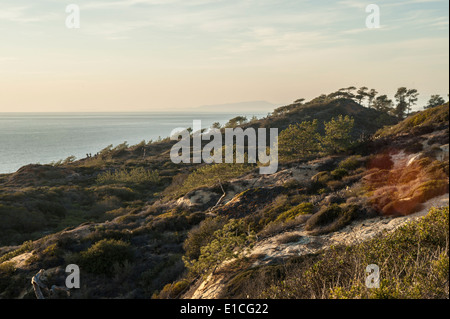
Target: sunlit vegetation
291,214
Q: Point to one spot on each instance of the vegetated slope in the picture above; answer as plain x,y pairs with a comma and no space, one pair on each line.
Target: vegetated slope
406,175
138,239
41,199
367,121
427,120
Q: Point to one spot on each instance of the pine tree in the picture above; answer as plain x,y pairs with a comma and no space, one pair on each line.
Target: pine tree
383,104
435,100
361,94
402,105
299,140
337,134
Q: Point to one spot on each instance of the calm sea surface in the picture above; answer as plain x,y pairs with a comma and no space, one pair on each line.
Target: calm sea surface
30,138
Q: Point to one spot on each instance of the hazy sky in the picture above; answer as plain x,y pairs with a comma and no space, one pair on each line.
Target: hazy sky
163,54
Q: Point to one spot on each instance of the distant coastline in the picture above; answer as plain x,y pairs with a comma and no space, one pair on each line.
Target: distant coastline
238,108
31,138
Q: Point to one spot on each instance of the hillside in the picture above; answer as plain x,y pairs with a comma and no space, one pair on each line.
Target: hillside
140,226
368,121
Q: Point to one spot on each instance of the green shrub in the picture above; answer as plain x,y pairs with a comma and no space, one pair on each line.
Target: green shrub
302,139
325,216
337,134
201,236
172,291
321,178
170,221
278,206
227,243
299,141
430,189
339,173
101,257
332,218
351,163
301,209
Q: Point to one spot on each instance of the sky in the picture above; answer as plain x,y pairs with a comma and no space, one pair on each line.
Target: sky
152,55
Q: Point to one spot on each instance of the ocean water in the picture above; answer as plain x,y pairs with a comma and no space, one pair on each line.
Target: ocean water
31,138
